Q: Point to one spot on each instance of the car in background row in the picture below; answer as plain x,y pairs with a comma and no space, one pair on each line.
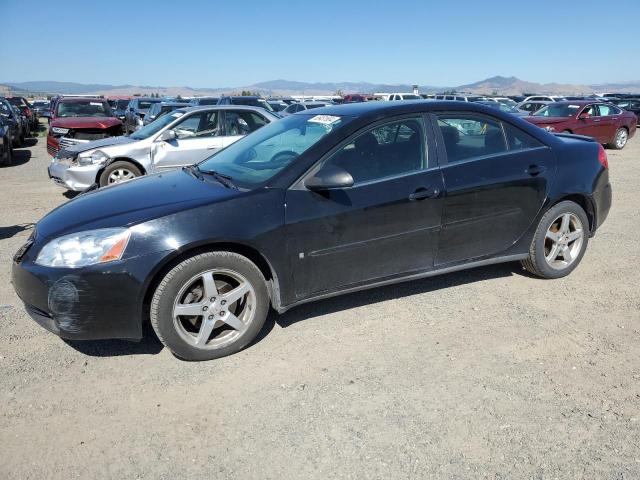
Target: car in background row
544,98
12,121
137,108
606,123
461,98
313,205
248,100
531,106
119,106
6,146
25,108
182,137
23,121
299,107
201,101
157,110
503,107
42,108
397,96
277,105
630,105
77,120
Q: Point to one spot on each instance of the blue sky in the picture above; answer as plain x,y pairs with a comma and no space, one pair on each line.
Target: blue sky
216,44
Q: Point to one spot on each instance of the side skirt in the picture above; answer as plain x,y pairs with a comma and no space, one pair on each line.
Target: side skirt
406,278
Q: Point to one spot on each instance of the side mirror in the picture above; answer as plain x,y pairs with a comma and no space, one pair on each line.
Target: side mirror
166,136
329,177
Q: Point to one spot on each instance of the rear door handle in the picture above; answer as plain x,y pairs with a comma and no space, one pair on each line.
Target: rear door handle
534,170
422,193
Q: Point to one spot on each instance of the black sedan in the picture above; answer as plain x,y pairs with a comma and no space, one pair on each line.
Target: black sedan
320,203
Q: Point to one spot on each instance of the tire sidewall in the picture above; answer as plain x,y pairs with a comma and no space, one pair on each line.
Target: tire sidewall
615,140
554,212
104,176
166,292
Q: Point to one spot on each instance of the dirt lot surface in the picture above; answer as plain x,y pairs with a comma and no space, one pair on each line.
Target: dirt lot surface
488,373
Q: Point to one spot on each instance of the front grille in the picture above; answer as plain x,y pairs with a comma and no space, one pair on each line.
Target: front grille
80,135
66,142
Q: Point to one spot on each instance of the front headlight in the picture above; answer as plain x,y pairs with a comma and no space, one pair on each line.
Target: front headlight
59,130
92,157
85,248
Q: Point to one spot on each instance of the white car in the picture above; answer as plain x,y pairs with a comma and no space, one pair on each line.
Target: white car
180,138
398,96
544,98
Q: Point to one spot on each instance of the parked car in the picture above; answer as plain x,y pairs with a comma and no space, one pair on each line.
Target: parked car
6,147
503,107
531,106
301,106
182,137
78,120
505,100
606,123
313,205
277,105
119,106
461,98
23,125
251,101
13,122
157,110
25,109
630,105
544,98
136,110
200,101
42,108
397,96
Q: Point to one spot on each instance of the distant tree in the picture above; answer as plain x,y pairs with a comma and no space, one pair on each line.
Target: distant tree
494,93
136,94
338,93
178,98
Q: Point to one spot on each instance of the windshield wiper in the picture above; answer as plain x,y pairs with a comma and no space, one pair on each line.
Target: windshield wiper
225,180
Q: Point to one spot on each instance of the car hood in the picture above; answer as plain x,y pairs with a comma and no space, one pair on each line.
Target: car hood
86,122
145,198
103,142
546,120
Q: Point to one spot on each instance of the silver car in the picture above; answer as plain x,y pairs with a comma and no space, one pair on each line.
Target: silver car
182,137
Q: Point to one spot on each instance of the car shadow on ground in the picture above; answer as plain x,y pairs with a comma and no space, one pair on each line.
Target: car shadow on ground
150,345
8,232
20,157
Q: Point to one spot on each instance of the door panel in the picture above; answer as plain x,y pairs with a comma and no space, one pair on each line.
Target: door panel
362,233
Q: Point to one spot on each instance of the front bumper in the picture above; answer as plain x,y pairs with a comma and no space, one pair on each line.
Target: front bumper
91,303
73,177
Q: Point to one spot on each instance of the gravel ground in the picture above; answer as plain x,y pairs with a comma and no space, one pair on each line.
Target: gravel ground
488,373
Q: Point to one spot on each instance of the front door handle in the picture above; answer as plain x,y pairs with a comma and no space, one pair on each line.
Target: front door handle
212,147
422,193
534,170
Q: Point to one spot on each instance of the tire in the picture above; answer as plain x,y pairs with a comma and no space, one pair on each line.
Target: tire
231,325
123,169
7,159
543,260
620,140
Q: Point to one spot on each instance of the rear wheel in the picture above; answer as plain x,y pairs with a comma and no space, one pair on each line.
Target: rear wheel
210,305
620,140
559,242
119,172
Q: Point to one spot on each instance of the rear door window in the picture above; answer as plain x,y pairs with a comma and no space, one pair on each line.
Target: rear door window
471,136
238,122
518,139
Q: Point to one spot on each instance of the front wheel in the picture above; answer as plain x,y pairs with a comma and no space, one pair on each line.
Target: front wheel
119,172
559,242
210,305
620,140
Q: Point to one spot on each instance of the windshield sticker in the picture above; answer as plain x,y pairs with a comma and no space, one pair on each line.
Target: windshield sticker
95,104
177,114
325,119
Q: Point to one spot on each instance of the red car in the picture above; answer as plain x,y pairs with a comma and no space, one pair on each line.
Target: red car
606,123
79,120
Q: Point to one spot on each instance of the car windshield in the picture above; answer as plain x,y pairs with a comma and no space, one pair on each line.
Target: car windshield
121,104
42,104
155,126
259,156
17,101
88,108
145,104
555,110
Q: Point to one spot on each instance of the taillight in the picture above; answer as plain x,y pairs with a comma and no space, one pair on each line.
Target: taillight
602,157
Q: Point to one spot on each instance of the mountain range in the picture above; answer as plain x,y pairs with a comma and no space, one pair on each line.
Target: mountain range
495,85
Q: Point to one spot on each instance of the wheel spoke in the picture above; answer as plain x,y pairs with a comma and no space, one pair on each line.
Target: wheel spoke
566,254
188,309
205,331
566,221
210,289
553,254
552,236
237,293
575,235
234,322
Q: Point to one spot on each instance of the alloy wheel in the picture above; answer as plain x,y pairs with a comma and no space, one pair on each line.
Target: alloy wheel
214,308
121,175
563,241
621,138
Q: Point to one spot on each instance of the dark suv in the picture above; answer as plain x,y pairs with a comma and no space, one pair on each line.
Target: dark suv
252,101
136,110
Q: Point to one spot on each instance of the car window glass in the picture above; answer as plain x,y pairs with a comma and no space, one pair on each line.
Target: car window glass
519,140
242,123
467,137
605,110
591,110
203,124
388,150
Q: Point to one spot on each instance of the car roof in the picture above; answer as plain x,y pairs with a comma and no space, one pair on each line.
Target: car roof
81,99
248,108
